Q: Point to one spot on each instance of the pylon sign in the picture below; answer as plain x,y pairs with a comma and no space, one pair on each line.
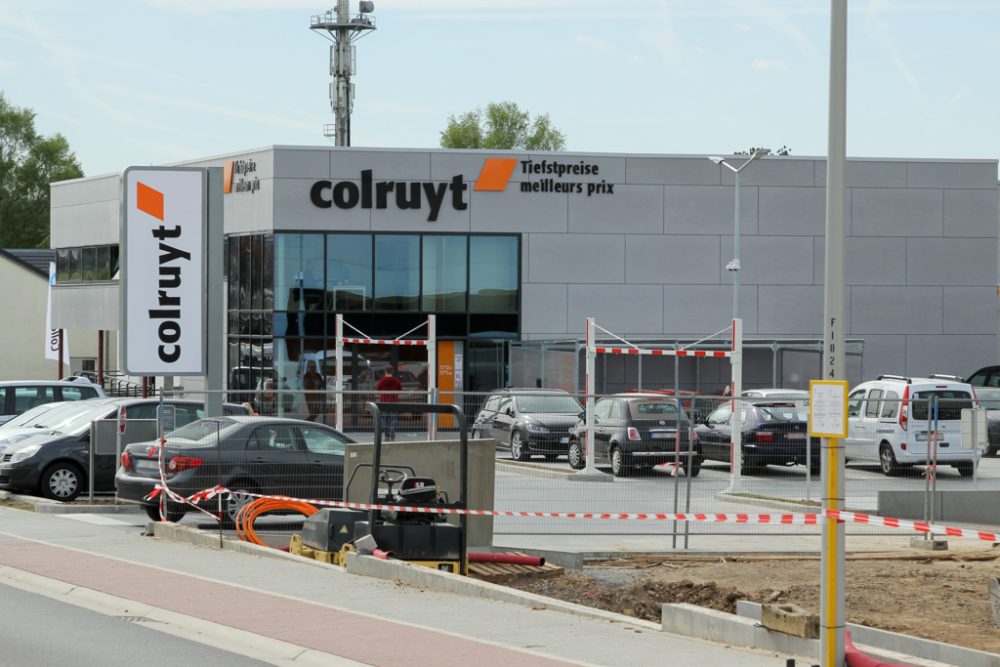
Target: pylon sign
163,240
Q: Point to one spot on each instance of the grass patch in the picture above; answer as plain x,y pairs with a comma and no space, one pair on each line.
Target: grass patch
810,503
17,505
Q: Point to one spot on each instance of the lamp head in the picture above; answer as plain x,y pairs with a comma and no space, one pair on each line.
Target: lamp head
716,159
760,152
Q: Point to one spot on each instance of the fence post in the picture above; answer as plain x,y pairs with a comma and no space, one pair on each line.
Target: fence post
591,467
339,410
735,423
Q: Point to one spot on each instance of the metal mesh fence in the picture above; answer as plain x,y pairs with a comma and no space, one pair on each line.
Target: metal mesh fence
640,453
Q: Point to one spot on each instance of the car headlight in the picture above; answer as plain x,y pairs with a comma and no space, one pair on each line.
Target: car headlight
25,453
536,428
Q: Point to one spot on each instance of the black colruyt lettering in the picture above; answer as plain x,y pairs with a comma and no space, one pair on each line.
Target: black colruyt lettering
408,195
169,330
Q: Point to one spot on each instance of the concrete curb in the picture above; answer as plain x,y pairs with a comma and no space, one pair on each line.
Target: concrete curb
534,470
894,643
179,625
445,582
46,506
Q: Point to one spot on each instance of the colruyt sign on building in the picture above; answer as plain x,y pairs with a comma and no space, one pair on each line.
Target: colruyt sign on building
163,271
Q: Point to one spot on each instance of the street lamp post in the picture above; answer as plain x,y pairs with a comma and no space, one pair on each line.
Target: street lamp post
736,435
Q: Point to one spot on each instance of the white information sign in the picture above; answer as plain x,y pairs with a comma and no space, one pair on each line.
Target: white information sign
828,409
163,270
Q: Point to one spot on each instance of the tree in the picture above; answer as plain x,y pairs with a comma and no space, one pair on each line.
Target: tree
502,125
28,163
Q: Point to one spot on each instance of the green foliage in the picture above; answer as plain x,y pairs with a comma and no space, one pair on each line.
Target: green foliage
784,150
28,163
502,126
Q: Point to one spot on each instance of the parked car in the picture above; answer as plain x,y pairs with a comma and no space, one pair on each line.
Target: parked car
988,376
887,423
529,421
18,396
55,462
797,396
989,398
252,455
634,432
771,433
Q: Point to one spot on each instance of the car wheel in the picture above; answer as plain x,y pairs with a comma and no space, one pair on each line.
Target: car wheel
236,501
749,466
619,467
518,451
62,481
887,461
965,469
575,455
173,516
695,465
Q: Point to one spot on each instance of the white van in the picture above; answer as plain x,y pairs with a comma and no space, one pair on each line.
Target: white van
888,419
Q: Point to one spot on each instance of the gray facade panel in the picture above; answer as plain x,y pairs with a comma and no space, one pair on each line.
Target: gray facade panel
790,310
294,210
970,310
292,163
514,211
544,309
950,262
83,191
970,213
88,307
884,212
93,223
672,260
884,354
896,310
250,212
956,355
867,173
869,261
959,174
628,310
780,171
672,171
347,164
705,309
708,210
579,258
792,211
771,260
632,209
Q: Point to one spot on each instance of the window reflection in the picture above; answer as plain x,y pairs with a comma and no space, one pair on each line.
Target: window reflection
493,274
298,275
444,271
348,272
397,272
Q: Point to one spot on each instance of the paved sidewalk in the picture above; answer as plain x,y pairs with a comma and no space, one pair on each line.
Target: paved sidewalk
331,616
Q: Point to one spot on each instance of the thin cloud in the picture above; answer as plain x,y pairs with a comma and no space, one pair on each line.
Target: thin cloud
880,28
596,42
769,65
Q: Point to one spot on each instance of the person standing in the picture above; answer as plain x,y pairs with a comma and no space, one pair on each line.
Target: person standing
312,383
389,387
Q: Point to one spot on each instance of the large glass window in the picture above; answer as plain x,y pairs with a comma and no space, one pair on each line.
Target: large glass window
493,274
89,261
444,274
245,273
349,272
397,272
298,272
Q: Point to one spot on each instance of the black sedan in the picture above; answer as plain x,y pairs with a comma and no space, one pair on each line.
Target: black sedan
247,455
529,421
772,433
55,462
633,432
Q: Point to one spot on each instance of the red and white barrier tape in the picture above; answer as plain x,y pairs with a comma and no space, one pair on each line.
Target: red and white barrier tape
787,519
379,341
663,353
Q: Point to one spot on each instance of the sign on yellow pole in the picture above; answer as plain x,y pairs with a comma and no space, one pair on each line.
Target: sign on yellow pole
828,409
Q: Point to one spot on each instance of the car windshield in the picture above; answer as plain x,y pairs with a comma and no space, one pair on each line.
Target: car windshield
63,416
552,403
202,433
653,410
27,417
783,413
989,398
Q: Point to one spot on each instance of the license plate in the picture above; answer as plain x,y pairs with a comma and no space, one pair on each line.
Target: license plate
146,465
796,436
563,441
661,435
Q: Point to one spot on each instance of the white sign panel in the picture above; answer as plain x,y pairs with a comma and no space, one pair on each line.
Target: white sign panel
52,335
828,409
163,271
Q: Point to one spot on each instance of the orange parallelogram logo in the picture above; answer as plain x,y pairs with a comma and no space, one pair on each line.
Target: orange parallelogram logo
148,200
495,174
227,177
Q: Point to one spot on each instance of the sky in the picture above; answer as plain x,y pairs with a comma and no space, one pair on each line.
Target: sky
138,82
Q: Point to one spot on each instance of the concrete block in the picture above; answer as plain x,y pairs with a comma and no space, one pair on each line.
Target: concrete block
924,544
790,619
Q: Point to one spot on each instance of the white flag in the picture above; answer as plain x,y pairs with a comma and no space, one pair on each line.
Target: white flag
52,335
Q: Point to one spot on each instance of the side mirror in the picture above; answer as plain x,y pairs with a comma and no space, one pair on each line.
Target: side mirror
582,416
509,412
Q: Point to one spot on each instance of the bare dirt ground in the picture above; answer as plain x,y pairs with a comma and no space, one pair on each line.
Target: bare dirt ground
937,596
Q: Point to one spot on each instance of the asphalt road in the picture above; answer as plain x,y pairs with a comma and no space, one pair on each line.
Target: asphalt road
38,630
